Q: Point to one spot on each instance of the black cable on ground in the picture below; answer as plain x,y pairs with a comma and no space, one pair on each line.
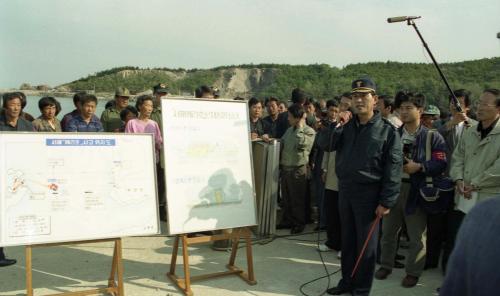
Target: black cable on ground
328,275
290,237
266,240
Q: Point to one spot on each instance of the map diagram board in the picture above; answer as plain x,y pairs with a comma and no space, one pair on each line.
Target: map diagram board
71,187
208,165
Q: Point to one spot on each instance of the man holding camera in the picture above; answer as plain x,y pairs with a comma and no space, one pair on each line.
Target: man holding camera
409,206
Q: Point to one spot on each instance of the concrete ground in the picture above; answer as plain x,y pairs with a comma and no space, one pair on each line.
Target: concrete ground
281,267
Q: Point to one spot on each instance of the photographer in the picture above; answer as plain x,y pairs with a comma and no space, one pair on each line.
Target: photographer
410,205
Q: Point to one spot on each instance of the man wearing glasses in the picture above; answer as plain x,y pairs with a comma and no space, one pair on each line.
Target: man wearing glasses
475,163
475,167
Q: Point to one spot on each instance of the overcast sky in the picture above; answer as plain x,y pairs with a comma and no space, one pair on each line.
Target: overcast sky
59,41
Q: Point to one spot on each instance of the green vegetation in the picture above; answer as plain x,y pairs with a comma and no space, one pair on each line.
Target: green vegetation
320,80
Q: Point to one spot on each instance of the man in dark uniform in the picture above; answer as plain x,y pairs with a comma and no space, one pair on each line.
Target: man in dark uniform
369,162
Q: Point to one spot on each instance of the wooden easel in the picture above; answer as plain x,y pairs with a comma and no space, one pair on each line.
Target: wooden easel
114,287
185,282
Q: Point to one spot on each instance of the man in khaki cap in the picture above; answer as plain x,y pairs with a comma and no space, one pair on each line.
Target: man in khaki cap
110,118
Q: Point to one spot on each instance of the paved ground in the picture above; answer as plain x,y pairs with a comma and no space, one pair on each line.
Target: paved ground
281,266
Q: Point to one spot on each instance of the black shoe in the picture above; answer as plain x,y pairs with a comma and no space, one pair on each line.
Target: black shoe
400,257
7,262
398,264
283,226
409,281
337,291
382,273
297,229
221,245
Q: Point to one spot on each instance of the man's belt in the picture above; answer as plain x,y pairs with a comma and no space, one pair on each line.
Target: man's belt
291,167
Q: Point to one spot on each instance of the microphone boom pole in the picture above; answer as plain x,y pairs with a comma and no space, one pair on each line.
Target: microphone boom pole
410,22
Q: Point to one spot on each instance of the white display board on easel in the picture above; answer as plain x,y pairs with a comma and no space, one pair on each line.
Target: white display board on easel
208,165
63,187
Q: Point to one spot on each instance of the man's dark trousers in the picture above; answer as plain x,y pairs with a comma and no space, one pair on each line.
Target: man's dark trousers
454,221
357,205
294,190
333,225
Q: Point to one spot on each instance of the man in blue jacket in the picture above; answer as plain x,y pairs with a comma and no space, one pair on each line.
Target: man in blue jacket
408,208
368,166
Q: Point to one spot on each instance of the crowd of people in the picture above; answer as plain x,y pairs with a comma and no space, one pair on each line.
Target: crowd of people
361,157
417,168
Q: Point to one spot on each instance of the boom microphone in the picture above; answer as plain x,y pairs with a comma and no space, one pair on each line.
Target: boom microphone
398,19
408,19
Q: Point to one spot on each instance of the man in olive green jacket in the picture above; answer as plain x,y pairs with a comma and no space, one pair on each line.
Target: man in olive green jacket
297,143
110,118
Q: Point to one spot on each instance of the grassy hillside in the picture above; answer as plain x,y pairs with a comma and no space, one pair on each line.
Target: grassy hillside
319,80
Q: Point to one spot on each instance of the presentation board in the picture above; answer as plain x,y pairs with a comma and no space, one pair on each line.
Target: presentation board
62,187
208,165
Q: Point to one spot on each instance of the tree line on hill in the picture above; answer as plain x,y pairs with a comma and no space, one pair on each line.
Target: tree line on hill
319,80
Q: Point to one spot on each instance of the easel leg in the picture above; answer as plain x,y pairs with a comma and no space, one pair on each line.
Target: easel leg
236,241
251,277
29,275
111,280
185,258
119,266
173,260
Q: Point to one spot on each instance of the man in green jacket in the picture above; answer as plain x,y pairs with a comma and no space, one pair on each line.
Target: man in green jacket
297,143
110,118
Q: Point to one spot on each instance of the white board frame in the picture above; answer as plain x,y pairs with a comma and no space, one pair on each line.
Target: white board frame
172,202
34,240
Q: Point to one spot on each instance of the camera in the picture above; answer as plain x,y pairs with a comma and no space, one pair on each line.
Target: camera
407,151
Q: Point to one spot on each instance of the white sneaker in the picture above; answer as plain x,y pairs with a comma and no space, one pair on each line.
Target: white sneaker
339,254
324,248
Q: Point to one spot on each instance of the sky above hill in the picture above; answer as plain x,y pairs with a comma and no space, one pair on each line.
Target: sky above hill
57,41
